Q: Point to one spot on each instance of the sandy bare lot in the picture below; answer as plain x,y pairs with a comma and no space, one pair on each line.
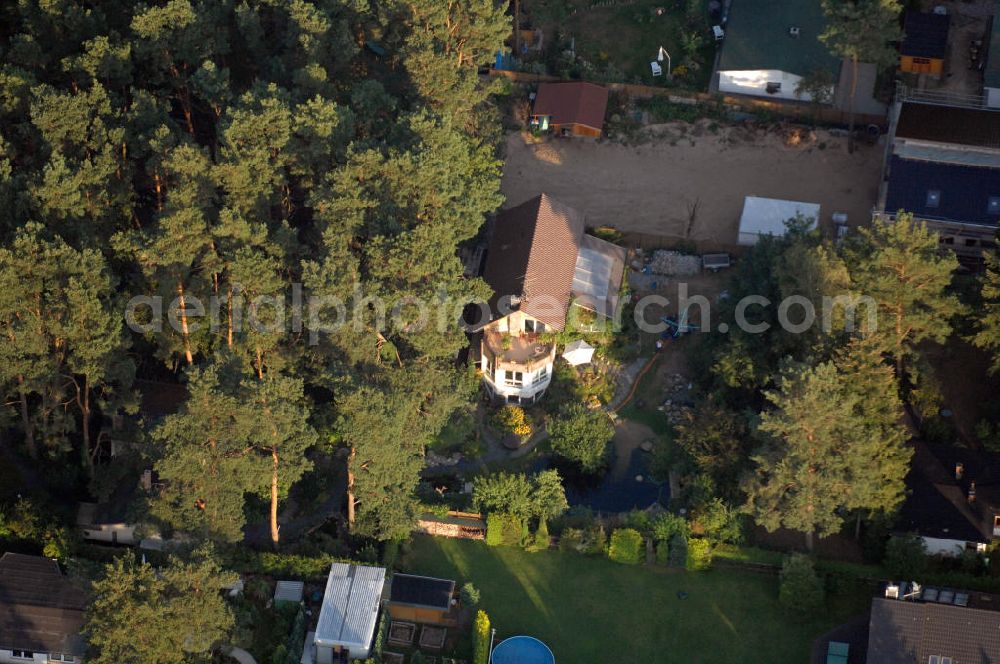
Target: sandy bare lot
651,188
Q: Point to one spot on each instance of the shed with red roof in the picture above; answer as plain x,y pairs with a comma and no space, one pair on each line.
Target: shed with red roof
574,108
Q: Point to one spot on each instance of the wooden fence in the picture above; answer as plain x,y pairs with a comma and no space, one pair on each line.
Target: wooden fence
795,111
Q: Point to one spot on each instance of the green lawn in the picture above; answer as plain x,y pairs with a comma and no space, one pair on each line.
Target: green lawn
587,609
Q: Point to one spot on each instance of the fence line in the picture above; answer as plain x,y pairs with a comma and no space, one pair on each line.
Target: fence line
793,111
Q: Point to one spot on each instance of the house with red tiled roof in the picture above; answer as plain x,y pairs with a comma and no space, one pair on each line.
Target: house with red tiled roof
574,108
540,263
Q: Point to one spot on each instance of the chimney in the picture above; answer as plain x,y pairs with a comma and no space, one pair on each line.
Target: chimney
972,492
959,470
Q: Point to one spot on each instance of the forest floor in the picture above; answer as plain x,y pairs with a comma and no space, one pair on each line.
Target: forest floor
652,188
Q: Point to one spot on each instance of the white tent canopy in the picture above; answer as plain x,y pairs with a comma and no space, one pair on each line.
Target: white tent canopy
578,352
767,216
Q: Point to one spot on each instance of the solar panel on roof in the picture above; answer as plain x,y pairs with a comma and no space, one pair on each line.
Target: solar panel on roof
961,599
946,596
930,594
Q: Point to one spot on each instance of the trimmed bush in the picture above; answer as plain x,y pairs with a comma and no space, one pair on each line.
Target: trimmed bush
699,554
505,530
595,540
906,556
481,637
678,555
627,546
801,587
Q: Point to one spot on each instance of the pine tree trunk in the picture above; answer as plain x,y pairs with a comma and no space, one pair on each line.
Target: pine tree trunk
857,526
350,490
185,333
29,430
274,497
85,411
809,541
229,319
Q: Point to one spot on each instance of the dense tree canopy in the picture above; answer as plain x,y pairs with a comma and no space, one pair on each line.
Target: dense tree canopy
170,615
231,158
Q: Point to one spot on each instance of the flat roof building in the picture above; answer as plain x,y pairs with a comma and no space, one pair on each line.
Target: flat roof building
349,615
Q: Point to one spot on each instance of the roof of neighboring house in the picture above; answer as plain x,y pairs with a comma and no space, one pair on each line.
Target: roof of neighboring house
964,192
991,72
926,35
421,591
350,605
949,124
937,504
758,37
40,608
575,102
532,256
906,632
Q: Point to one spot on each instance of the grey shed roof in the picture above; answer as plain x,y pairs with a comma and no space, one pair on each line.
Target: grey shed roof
903,631
288,591
350,605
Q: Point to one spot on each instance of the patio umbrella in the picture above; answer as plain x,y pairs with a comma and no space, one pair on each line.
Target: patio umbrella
578,352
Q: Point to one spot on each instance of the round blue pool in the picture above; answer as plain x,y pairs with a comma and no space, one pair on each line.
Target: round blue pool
522,650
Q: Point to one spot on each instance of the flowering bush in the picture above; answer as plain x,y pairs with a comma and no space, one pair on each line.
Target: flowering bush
512,419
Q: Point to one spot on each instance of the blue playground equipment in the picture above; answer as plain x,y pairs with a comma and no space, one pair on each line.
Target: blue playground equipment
676,328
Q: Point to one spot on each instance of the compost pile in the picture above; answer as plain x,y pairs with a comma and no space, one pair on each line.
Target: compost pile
674,263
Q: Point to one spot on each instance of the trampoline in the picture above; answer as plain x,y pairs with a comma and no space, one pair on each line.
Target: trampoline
522,650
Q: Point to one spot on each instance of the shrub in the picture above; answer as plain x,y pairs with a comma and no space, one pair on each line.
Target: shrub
505,530
627,546
906,557
581,436
511,419
719,522
571,540
678,555
666,525
662,553
801,587
469,595
540,541
699,554
481,636
595,540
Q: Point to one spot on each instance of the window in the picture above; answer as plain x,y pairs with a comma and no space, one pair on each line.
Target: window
933,198
946,240
488,366
933,659
921,61
773,87
513,378
993,205
540,377
23,654
970,242
531,325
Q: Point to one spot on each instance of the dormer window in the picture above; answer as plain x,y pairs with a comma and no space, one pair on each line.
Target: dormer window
933,198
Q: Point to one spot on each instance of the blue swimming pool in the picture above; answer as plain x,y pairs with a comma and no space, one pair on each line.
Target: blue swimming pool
522,650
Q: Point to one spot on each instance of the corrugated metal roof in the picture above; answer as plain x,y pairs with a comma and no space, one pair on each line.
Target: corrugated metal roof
767,216
288,591
350,605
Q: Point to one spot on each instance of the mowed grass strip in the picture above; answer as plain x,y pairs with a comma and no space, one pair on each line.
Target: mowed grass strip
589,608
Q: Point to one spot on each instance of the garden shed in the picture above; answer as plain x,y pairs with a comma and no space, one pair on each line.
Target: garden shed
349,612
575,108
767,216
421,599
